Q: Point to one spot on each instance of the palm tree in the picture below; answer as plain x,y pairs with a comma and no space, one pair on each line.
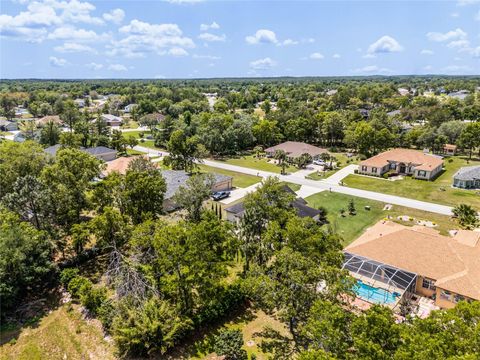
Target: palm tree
467,216
281,157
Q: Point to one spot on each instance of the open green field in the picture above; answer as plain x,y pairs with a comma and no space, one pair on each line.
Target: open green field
61,334
350,227
437,191
252,162
239,180
136,134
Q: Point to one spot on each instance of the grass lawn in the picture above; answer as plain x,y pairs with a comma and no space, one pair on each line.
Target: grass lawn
136,134
134,152
350,227
252,162
436,191
320,175
61,334
239,180
342,159
149,144
294,187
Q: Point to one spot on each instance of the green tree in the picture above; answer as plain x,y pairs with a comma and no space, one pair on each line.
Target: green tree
281,157
228,343
191,197
466,215
70,114
50,134
470,137
111,229
25,259
118,142
184,151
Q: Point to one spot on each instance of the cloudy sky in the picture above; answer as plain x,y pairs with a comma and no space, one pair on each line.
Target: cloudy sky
195,39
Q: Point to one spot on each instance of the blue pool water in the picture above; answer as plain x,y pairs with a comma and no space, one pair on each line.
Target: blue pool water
373,294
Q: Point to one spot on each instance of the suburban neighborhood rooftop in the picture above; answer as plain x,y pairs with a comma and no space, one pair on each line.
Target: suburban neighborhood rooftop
407,156
296,149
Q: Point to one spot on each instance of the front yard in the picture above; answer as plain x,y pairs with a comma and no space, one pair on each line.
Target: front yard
342,159
352,226
437,191
239,180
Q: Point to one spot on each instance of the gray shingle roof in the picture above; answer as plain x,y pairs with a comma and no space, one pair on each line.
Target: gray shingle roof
468,173
176,178
99,150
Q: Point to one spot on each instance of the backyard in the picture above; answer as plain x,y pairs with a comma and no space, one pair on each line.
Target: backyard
352,226
438,191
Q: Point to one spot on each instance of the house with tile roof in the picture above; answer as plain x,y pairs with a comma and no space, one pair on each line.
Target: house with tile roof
295,149
444,268
404,162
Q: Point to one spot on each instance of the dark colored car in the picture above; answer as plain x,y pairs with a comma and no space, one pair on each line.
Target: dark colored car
219,195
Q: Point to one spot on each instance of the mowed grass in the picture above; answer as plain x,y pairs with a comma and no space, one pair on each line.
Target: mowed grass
350,227
62,334
437,191
262,163
136,134
239,180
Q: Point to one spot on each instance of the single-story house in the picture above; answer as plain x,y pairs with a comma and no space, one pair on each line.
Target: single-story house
460,95
176,178
112,120
235,212
80,103
49,118
100,152
295,149
449,149
417,260
6,125
467,177
403,161
127,109
22,136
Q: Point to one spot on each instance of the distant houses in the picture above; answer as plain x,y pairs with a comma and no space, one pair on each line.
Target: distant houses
111,120
128,109
404,162
100,152
6,125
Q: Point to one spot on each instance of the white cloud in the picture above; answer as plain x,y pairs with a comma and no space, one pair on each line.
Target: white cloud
336,56
72,34
116,16
467,2
386,44
142,37
263,64
450,35
458,44
372,70
426,52
57,62
455,14
316,56
289,42
159,77
206,27
212,37
177,51
117,67
369,56
262,36
208,57
94,66
70,47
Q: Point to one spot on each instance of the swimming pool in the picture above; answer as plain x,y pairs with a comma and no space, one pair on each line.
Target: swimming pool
373,294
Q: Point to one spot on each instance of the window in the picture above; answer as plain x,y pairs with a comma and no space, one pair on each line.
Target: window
374,170
457,298
445,295
428,284
364,168
393,166
422,173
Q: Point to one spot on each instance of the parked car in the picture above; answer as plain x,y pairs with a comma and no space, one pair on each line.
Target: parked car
219,195
318,162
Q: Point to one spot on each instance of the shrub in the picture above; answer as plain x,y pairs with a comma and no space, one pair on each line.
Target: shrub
228,343
355,171
106,314
78,285
67,275
93,298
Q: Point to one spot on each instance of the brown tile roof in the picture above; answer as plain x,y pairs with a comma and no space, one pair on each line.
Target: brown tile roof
420,160
450,147
295,149
453,263
119,165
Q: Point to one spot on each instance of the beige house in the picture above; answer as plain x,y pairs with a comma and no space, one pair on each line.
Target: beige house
295,149
404,162
446,268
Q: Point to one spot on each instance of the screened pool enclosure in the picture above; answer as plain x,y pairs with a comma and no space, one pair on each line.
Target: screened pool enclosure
378,282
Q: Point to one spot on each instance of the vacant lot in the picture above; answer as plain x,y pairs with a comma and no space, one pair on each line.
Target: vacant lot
437,191
239,180
62,334
262,163
352,226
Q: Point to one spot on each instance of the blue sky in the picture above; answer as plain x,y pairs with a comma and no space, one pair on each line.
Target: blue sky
194,38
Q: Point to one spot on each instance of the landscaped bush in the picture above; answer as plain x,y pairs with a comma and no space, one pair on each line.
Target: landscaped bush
228,343
355,171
